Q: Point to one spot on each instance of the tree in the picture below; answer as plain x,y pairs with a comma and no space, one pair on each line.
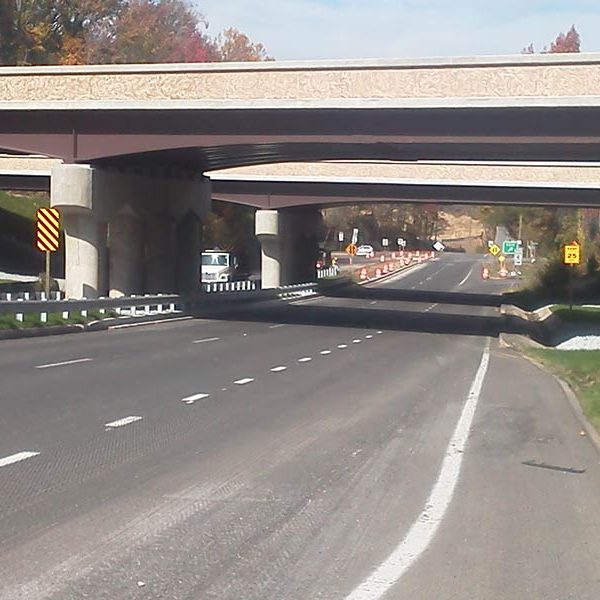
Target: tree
235,46
569,42
566,42
34,32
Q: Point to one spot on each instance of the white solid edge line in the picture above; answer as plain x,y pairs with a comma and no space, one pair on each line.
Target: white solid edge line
244,381
278,369
304,359
424,528
212,339
15,458
122,422
464,280
192,399
66,362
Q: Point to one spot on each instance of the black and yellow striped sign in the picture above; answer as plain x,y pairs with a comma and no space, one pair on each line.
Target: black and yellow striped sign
48,229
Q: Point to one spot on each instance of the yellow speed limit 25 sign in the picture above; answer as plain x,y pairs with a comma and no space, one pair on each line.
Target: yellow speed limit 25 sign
572,254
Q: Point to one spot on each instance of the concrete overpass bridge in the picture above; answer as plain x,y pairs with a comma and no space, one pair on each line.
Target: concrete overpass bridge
135,139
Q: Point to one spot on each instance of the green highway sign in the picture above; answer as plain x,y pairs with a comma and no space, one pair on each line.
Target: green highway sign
509,246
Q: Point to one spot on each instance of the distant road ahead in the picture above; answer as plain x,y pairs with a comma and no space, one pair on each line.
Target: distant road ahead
292,451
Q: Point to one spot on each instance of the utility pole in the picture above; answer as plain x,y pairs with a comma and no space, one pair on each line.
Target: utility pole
520,227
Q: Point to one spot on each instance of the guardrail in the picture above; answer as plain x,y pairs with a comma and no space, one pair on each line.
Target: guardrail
328,273
131,306
229,286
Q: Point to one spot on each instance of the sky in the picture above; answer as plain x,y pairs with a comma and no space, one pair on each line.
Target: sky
329,29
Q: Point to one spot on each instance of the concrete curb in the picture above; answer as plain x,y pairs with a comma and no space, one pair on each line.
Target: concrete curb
572,398
34,332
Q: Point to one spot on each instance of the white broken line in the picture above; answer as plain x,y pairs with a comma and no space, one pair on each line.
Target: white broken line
244,381
278,369
305,359
192,399
368,337
15,458
276,326
325,352
121,422
357,341
342,346
423,530
66,362
212,339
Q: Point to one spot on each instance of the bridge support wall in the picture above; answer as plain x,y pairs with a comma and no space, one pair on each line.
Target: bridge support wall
129,233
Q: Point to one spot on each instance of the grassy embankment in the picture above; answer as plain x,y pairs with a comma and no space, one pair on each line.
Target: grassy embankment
581,370
54,319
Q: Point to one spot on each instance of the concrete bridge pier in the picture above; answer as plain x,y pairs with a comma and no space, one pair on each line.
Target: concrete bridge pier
85,232
289,245
149,226
302,230
266,226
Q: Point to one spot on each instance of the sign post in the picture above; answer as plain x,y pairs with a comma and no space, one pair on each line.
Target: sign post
47,238
572,257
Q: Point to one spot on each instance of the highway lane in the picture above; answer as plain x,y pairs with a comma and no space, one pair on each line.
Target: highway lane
295,482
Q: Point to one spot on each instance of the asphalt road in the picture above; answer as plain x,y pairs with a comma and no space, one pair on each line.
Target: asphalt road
357,447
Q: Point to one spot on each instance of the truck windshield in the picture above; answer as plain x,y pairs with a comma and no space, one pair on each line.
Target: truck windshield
221,260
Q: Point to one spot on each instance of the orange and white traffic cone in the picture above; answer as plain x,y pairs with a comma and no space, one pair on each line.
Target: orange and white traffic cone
378,273
363,274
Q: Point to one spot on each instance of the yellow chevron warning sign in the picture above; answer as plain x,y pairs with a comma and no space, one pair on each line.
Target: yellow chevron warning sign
47,237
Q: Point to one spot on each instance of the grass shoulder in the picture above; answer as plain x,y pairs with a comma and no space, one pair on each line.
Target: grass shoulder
580,369
54,319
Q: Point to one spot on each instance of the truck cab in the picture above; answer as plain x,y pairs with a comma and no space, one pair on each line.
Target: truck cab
218,266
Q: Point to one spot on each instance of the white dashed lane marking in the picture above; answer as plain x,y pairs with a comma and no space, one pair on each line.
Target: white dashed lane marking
244,381
64,363
357,341
278,369
325,352
276,326
368,337
15,458
342,346
304,359
204,341
122,422
192,399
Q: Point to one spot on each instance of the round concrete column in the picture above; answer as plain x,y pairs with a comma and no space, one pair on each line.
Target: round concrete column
85,247
126,255
267,231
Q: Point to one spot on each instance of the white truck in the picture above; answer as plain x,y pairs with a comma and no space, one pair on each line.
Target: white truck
218,266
